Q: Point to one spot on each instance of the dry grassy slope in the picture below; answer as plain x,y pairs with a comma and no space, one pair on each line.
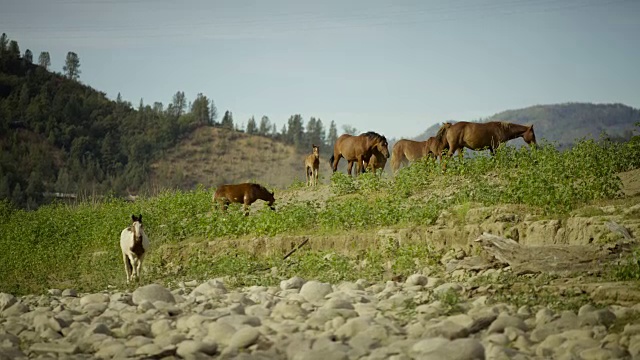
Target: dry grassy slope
214,156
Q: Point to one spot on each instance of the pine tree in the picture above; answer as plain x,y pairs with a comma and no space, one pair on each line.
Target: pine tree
178,104
265,126
71,66
333,134
252,128
213,113
14,49
200,109
4,45
44,60
28,56
227,120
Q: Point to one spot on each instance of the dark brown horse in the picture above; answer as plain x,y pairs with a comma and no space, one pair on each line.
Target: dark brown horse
406,151
312,165
357,149
377,161
245,193
479,136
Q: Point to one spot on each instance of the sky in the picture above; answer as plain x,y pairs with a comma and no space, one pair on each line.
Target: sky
394,67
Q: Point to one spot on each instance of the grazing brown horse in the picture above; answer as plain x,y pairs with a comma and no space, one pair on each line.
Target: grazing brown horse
358,149
406,151
437,144
312,165
479,136
376,161
245,193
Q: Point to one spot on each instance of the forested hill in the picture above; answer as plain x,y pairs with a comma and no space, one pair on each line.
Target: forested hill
565,123
60,138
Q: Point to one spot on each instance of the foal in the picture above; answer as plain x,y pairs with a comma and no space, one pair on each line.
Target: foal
311,166
134,244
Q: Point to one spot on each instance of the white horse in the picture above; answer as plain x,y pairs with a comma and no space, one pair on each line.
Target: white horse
134,244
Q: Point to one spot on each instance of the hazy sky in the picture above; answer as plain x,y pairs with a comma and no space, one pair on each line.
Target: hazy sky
395,67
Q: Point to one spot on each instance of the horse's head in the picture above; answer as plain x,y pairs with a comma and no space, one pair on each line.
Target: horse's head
382,145
136,227
529,136
271,200
316,151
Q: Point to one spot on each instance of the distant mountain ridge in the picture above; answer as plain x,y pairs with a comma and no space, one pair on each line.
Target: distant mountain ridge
566,123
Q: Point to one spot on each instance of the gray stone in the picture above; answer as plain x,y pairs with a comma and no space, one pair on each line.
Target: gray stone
170,338
448,287
320,355
58,348
597,317
445,329
336,303
94,298
352,327
288,310
293,283
6,300
244,338
109,351
152,350
151,293
314,291
69,293
211,289
417,279
503,320
188,347
220,332
16,309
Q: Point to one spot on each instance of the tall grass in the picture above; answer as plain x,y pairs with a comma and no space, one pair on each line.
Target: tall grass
61,245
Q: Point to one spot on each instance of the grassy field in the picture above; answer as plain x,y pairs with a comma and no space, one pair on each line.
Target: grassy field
61,246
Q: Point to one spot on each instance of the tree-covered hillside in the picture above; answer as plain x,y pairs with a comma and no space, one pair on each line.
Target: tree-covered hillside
565,123
59,136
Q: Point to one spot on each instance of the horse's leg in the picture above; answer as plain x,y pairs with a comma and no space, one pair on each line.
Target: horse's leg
306,174
315,177
349,167
128,268
246,204
139,266
335,161
450,152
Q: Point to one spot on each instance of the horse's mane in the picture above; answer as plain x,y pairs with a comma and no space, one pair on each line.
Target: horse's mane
442,131
263,188
372,135
505,124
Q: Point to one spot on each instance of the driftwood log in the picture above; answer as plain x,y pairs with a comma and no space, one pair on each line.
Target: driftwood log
498,251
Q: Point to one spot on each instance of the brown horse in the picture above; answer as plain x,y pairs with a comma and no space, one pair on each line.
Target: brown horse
406,151
437,144
479,136
312,165
358,149
376,161
245,193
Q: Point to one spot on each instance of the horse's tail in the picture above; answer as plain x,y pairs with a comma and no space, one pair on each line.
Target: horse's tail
331,161
396,156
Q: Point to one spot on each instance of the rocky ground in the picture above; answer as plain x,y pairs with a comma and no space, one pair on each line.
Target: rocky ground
309,320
